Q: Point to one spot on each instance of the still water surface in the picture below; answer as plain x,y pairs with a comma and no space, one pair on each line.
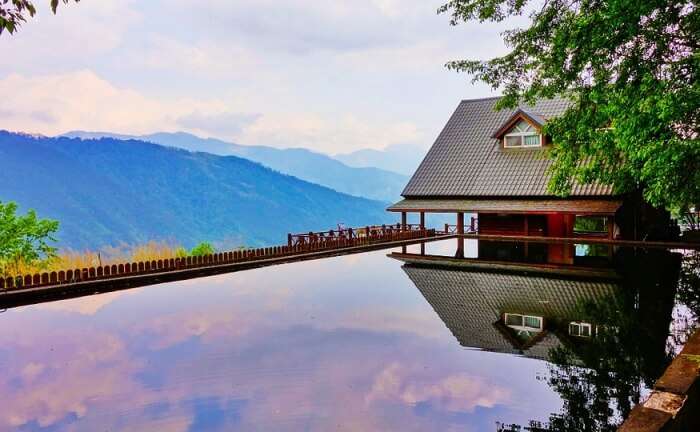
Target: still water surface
360,342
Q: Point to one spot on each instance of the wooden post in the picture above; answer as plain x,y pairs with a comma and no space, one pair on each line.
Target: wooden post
526,225
289,239
460,233
422,220
403,221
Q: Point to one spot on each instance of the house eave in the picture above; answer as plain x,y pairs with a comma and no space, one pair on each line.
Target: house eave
513,205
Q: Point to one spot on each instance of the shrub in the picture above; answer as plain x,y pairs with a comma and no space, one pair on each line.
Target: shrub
203,248
24,240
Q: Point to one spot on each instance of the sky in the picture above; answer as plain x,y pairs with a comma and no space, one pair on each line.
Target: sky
333,76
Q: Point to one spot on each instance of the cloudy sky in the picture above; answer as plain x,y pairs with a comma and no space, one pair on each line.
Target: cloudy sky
333,76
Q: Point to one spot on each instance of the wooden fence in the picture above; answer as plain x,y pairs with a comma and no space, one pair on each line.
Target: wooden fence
322,237
472,228
113,271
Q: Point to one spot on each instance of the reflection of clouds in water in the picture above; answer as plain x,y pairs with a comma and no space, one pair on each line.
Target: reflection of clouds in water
307,346
385,319
171,329
88,305
445,248
455,392
78,368
293,377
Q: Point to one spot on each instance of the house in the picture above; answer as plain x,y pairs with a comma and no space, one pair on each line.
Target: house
493,164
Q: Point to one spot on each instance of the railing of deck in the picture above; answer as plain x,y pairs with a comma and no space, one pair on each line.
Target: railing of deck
321,237
472,228
115,271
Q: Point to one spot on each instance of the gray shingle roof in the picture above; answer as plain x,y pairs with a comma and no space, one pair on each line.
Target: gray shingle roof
466,160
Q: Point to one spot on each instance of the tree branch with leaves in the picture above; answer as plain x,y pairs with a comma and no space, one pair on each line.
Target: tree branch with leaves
24,239
630,69
14,12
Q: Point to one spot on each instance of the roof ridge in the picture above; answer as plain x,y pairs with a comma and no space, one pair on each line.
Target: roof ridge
482,99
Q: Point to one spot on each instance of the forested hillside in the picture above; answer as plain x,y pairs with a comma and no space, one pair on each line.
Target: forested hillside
108,191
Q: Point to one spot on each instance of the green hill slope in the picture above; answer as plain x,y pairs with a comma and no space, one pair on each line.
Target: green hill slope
109,191
366,182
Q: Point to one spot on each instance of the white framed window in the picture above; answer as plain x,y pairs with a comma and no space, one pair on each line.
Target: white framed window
581,329
523,322
523,134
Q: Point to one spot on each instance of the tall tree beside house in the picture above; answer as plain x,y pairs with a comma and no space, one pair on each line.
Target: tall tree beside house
631,70
24,239
14,12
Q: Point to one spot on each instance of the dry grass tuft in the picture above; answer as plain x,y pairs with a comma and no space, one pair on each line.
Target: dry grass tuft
114,255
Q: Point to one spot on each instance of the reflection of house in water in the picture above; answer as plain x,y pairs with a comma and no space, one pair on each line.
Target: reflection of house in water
609,315
580,255
525,298
507,312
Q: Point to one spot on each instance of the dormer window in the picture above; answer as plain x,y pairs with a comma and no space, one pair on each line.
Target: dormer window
523,134
521,130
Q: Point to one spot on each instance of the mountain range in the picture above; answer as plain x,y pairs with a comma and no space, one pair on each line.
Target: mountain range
362,181
400,158
109,191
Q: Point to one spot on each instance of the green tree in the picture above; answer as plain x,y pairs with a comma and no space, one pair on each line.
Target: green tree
630,69
14,12
24,239
203,248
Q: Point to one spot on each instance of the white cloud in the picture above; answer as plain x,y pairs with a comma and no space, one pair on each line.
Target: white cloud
305,26
226,124
77,31
213,59
336,77
327,133
53,104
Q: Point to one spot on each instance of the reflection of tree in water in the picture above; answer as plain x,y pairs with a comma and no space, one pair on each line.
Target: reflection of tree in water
689,297
600,379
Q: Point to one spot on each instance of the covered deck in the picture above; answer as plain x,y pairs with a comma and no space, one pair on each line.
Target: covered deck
501,216
522,217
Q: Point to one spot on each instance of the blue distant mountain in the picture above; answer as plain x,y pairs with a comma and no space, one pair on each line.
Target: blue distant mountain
110,191
366,181
400,158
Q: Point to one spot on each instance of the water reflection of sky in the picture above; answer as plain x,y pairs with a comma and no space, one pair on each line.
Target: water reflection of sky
346,343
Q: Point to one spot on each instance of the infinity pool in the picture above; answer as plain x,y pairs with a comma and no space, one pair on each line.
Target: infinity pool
359,342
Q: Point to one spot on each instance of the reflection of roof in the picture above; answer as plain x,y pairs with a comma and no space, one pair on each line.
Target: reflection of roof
588,206
469,303
466,160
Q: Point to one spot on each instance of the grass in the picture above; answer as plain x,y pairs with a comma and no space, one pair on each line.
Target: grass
113,255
